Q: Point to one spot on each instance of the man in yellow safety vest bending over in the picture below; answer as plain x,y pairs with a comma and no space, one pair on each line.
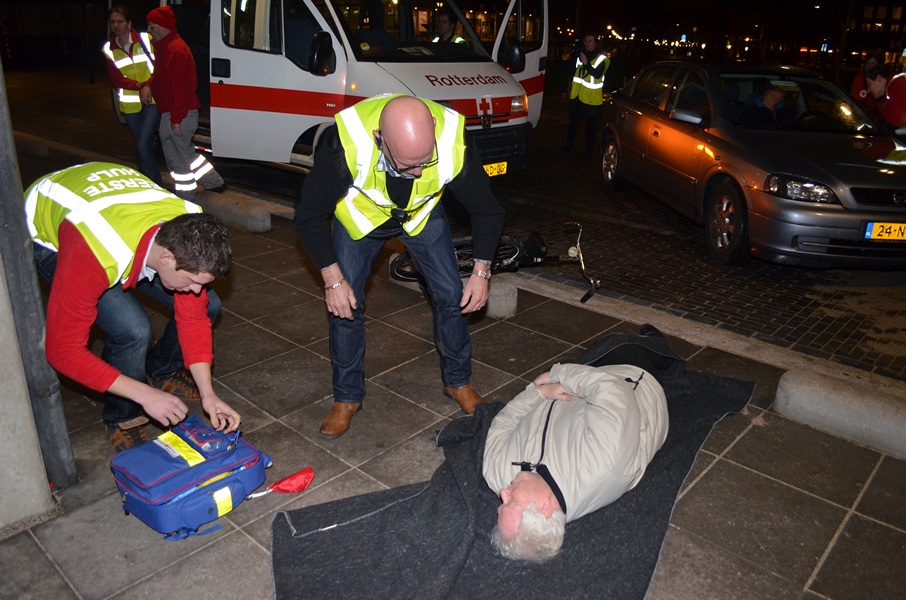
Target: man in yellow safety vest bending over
380,172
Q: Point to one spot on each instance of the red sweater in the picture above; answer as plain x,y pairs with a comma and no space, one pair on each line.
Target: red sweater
79,281
894,109
175,81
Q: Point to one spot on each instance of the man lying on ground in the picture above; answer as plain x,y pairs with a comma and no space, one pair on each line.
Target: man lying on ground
575,440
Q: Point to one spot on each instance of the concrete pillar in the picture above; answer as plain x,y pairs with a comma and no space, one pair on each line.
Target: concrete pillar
24,490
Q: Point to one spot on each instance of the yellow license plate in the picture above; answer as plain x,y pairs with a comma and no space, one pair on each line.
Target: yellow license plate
495,169
885,231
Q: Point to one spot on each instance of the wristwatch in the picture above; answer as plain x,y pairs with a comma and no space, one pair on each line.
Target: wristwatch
484,273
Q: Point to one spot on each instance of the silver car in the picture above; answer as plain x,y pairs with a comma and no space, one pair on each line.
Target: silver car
775,161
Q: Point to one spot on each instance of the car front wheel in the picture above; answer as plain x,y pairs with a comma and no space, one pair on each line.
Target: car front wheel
610,164
727,228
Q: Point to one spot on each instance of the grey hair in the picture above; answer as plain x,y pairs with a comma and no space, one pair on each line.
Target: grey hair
538,539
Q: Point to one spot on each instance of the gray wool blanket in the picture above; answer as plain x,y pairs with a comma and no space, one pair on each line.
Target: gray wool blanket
432,540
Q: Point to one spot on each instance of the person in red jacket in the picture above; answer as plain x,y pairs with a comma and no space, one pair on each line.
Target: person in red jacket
174,87
101,234
860,90
890,92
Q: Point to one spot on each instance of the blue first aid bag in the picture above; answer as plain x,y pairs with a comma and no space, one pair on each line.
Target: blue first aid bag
187,477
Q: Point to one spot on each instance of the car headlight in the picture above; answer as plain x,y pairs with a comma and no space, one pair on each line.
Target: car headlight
797,188
519,104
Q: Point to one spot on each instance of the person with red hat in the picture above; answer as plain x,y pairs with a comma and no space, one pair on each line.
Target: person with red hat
174,87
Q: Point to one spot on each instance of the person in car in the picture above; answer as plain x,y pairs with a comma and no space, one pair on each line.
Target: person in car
768,109
446,26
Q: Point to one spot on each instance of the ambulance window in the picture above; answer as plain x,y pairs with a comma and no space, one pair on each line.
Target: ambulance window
299,30
321,5
252,24
526,24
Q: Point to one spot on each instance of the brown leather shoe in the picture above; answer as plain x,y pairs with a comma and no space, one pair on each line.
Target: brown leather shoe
337,421
466,396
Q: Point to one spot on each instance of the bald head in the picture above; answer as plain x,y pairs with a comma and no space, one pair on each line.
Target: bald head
407,127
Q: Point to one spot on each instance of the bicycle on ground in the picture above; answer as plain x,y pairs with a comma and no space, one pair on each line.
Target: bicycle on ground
511,255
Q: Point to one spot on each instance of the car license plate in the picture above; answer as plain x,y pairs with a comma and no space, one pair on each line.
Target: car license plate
496,169
885,231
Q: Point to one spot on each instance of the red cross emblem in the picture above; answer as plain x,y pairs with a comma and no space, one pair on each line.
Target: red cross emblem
484,108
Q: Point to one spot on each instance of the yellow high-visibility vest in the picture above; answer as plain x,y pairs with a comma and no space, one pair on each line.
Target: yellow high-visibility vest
112,206
589,90
136,65
366,204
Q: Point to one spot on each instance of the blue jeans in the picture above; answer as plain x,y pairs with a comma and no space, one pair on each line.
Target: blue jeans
128,328
143,126
432,251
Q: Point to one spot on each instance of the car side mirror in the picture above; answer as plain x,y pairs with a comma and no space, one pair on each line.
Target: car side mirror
686,115
511,57
322,61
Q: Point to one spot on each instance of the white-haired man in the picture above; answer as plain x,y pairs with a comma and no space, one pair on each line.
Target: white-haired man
575,440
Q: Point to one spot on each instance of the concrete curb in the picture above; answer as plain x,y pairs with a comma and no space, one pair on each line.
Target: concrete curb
844,409
237,210
845,401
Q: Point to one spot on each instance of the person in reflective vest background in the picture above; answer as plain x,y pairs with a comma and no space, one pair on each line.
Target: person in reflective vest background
586,94
130,64
101,233
380,174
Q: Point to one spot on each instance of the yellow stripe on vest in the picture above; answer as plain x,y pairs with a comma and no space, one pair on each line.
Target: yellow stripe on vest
187,452
224,499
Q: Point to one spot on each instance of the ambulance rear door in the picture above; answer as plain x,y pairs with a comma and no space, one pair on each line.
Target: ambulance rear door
277,76
526,22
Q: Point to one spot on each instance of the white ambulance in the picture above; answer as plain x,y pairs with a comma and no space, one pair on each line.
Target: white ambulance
281,69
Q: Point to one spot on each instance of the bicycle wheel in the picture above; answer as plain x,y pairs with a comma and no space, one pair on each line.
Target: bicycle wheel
402,268
506,257
509,251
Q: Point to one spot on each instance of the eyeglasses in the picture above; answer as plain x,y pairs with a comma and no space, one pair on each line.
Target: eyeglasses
382,146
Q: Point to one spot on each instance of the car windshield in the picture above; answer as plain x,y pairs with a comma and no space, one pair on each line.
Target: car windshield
792,103
406,31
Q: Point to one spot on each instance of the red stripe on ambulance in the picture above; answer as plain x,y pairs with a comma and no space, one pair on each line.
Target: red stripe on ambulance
275,100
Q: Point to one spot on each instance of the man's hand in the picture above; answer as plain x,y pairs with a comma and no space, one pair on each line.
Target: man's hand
174,127
145,95
551,390
164,408
340,300
475,294
223,418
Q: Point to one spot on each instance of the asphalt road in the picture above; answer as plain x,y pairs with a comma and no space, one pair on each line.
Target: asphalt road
642,251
